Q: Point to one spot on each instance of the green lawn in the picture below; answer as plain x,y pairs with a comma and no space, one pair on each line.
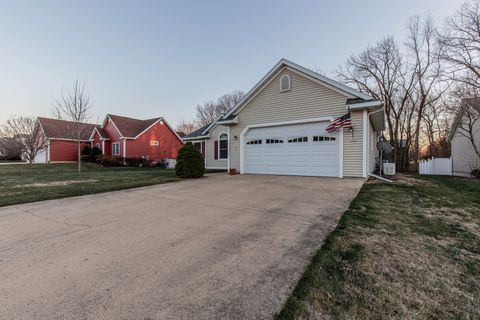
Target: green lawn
401,251
24,183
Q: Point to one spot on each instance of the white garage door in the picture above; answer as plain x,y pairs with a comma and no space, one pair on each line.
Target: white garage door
301,149
40,157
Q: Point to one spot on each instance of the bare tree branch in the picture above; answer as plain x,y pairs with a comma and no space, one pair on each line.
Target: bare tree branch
24,130
74,105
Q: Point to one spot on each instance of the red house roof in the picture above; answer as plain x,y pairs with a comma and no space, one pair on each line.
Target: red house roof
101,132
62,129
130,127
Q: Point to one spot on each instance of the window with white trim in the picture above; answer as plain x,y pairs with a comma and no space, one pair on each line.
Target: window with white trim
297,139
97,145
116,148
223,146
273,140
254,141
323,138
285,83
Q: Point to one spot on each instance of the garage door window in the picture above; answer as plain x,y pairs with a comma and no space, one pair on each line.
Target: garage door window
323,138
273,141
223,146
254,141
297,139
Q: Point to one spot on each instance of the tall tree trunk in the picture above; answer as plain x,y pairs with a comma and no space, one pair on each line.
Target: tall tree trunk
79,158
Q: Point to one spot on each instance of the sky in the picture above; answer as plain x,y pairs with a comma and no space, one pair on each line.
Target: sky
146,59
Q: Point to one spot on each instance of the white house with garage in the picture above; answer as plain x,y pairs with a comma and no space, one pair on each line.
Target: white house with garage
280,127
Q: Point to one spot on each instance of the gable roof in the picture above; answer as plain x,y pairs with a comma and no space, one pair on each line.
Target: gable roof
473,103
130,127
101,133
330,83
62,129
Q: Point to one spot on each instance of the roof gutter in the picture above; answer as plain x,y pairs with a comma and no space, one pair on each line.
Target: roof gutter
196,138
366,104
231,121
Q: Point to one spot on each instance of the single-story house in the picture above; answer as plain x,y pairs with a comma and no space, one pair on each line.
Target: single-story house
118,136
56,137
280,127
464,137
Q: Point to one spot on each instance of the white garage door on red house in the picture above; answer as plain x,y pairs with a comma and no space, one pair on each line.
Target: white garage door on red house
299,149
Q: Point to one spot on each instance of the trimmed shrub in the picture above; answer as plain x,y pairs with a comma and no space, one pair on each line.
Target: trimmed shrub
94,152
475,173
190,162
109,161
86,151
137,162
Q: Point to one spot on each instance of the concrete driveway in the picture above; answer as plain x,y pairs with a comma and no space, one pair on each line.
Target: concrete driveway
220,247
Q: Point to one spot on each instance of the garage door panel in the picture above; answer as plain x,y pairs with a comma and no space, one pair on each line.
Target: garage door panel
313,158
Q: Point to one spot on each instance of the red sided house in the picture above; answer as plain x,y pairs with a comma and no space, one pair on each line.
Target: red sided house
134,138
59,144
118,136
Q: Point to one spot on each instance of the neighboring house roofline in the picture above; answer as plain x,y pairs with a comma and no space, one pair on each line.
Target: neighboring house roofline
57,128
161,119
66,139
113,122
99,133
346,90
467,102
151,125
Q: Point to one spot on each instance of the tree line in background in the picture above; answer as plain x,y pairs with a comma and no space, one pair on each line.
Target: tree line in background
210,111
421,81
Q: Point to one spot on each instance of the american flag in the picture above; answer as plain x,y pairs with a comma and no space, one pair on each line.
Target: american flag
344,121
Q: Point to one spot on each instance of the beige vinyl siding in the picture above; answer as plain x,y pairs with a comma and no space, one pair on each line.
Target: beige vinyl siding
211,163
307,99
372,148
464,158
353,147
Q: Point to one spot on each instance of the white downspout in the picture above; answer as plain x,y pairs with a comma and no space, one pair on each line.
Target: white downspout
340,154
228,148
365,143
48,151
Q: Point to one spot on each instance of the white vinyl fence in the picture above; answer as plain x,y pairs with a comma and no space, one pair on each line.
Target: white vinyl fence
440,166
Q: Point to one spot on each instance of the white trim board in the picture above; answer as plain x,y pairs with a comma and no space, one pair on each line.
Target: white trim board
365,143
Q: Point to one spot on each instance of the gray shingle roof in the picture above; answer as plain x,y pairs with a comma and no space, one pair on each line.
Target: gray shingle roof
197,133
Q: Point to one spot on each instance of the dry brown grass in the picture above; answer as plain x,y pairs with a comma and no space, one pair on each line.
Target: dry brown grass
402,251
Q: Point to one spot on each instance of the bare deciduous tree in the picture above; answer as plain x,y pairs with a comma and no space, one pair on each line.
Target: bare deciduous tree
211,110
423,49
10,148
186,126
381,72
24,130
409,81
74,105
460,44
